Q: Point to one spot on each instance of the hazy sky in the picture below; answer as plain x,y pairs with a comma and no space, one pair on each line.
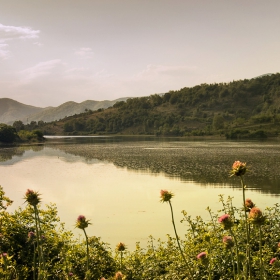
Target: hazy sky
53,51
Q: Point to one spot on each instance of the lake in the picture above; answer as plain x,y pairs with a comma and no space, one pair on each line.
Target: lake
116,181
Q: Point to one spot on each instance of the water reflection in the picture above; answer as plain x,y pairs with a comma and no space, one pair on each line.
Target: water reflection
116,183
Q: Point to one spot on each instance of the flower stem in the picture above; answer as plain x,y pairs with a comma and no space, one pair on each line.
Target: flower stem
87,249
233,268
248,253
236,252
177,238
261,260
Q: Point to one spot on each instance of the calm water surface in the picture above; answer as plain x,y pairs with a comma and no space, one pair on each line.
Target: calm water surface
115,182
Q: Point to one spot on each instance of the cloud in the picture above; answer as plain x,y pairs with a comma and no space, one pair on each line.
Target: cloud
41,69
4,53
84,53
17,32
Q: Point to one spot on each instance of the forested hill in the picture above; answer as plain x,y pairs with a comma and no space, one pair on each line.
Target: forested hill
245,108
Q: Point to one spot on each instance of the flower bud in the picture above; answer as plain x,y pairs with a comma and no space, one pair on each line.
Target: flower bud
32,197
226,221
121,247
238,168
272,261
81,222
228,242
203,258
256,217
249,204
165,195
118,276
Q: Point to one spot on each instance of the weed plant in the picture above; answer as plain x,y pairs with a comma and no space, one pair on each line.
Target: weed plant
237,243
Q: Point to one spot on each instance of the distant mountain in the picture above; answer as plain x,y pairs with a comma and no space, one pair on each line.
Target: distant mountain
11,110
71,108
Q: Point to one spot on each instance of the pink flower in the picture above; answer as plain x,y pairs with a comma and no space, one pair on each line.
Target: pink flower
118,276
249,204
32,197
82,223
228,242
226,221
256,217
238,168
201,255
165,195
272,261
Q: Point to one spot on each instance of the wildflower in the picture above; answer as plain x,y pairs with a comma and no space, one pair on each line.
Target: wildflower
228,242
238,168
272,261
82,223
256,217
249,204
203,258
226,221
118,276
121,247
32,197
30,236
165,195
4,255
70,274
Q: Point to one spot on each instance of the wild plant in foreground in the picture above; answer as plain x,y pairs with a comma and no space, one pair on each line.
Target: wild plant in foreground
239,169
83,223
33,199
165,196
257,218
121,248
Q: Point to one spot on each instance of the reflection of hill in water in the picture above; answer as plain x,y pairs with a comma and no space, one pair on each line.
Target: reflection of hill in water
202,162
206,163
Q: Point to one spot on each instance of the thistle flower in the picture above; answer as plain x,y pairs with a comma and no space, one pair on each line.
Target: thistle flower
81,222
249,204
30,236
118,276
272,261
256,216
238,168
4,255
165,195
226,221
228,242
121,247
32,197
203,258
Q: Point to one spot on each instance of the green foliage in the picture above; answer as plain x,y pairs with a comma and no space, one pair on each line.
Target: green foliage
206,109
31,136
7,133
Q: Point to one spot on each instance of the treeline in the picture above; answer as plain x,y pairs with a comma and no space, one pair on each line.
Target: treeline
239,109
9,134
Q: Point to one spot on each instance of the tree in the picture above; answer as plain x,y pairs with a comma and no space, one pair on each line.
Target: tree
8,133
18,125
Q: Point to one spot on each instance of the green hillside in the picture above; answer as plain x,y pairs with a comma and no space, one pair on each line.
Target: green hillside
239,109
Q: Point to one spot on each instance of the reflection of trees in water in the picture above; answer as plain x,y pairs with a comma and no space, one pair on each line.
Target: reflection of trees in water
7,153
203,164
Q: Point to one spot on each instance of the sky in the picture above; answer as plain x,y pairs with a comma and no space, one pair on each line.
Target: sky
54,51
